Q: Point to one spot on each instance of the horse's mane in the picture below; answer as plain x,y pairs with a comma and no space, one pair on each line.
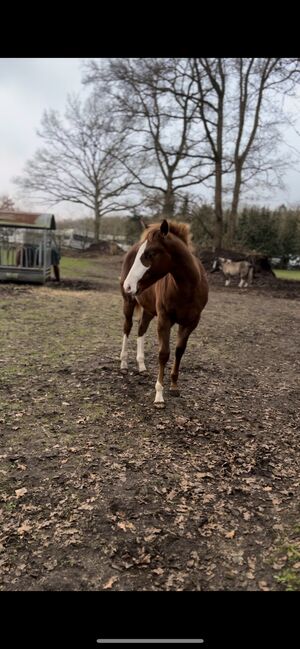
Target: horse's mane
180,230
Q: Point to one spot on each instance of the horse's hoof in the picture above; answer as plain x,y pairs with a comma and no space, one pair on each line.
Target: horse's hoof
143,371
159,404
124,370
174,392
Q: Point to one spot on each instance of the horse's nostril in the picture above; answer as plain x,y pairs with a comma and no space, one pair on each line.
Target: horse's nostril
128,289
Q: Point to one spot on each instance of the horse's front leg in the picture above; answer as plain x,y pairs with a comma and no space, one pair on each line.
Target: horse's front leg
128,308
182,338
163,330
143,326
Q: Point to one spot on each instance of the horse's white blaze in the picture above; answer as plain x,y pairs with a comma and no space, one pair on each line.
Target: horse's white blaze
159,393
136,272
140,356
124,353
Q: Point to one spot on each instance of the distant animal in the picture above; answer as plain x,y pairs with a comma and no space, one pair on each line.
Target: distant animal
162,277
243,269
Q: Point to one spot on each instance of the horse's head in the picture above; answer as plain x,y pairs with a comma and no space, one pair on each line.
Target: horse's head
152,261
218,264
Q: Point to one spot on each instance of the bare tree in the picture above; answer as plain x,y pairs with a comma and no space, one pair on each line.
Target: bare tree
239,102
210,79
209,121
153,98
7,204
80,160
259,85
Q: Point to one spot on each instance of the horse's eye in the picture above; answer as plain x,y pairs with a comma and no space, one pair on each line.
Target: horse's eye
148,254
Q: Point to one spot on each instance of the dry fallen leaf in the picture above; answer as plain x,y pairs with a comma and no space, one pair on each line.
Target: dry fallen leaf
22,467
50,564
25,527
110,582
20,492
158,571
230,535
126,525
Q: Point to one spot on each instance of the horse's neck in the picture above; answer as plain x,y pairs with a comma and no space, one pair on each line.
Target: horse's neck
185,269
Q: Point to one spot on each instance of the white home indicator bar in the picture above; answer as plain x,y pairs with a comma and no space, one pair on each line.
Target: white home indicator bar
151,641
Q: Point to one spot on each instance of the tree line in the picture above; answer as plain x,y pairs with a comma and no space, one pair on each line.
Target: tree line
158,133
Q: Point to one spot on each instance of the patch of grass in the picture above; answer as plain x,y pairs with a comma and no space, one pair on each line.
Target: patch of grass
71,267
102,268
287,274
289,576
10,506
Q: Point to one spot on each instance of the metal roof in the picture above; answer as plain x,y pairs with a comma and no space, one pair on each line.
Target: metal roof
27,220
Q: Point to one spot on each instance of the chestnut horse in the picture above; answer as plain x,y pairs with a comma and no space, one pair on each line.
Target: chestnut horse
162,277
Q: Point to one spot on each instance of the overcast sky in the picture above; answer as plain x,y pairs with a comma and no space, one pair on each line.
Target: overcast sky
29,86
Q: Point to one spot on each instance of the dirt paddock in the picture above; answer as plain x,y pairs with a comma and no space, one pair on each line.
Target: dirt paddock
101,491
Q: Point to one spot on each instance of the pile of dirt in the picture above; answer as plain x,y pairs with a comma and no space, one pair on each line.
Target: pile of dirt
81,285
10,288
104,248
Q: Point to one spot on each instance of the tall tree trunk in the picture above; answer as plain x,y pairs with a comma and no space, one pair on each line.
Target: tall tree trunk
232,219
218,207
97,223
169,204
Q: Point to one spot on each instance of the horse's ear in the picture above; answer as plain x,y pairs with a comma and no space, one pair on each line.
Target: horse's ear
164,228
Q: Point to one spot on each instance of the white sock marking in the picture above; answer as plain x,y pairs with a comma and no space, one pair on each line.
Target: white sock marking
140,356
159,393
124,353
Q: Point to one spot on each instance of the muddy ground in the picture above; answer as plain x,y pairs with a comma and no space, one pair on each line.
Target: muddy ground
101,491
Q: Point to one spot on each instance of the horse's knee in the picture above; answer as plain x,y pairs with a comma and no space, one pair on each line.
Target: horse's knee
179,351
127,326
164,356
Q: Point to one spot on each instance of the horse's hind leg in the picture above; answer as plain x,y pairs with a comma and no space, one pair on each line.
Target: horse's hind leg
163,329
128,309
143,326
243,281
182,338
